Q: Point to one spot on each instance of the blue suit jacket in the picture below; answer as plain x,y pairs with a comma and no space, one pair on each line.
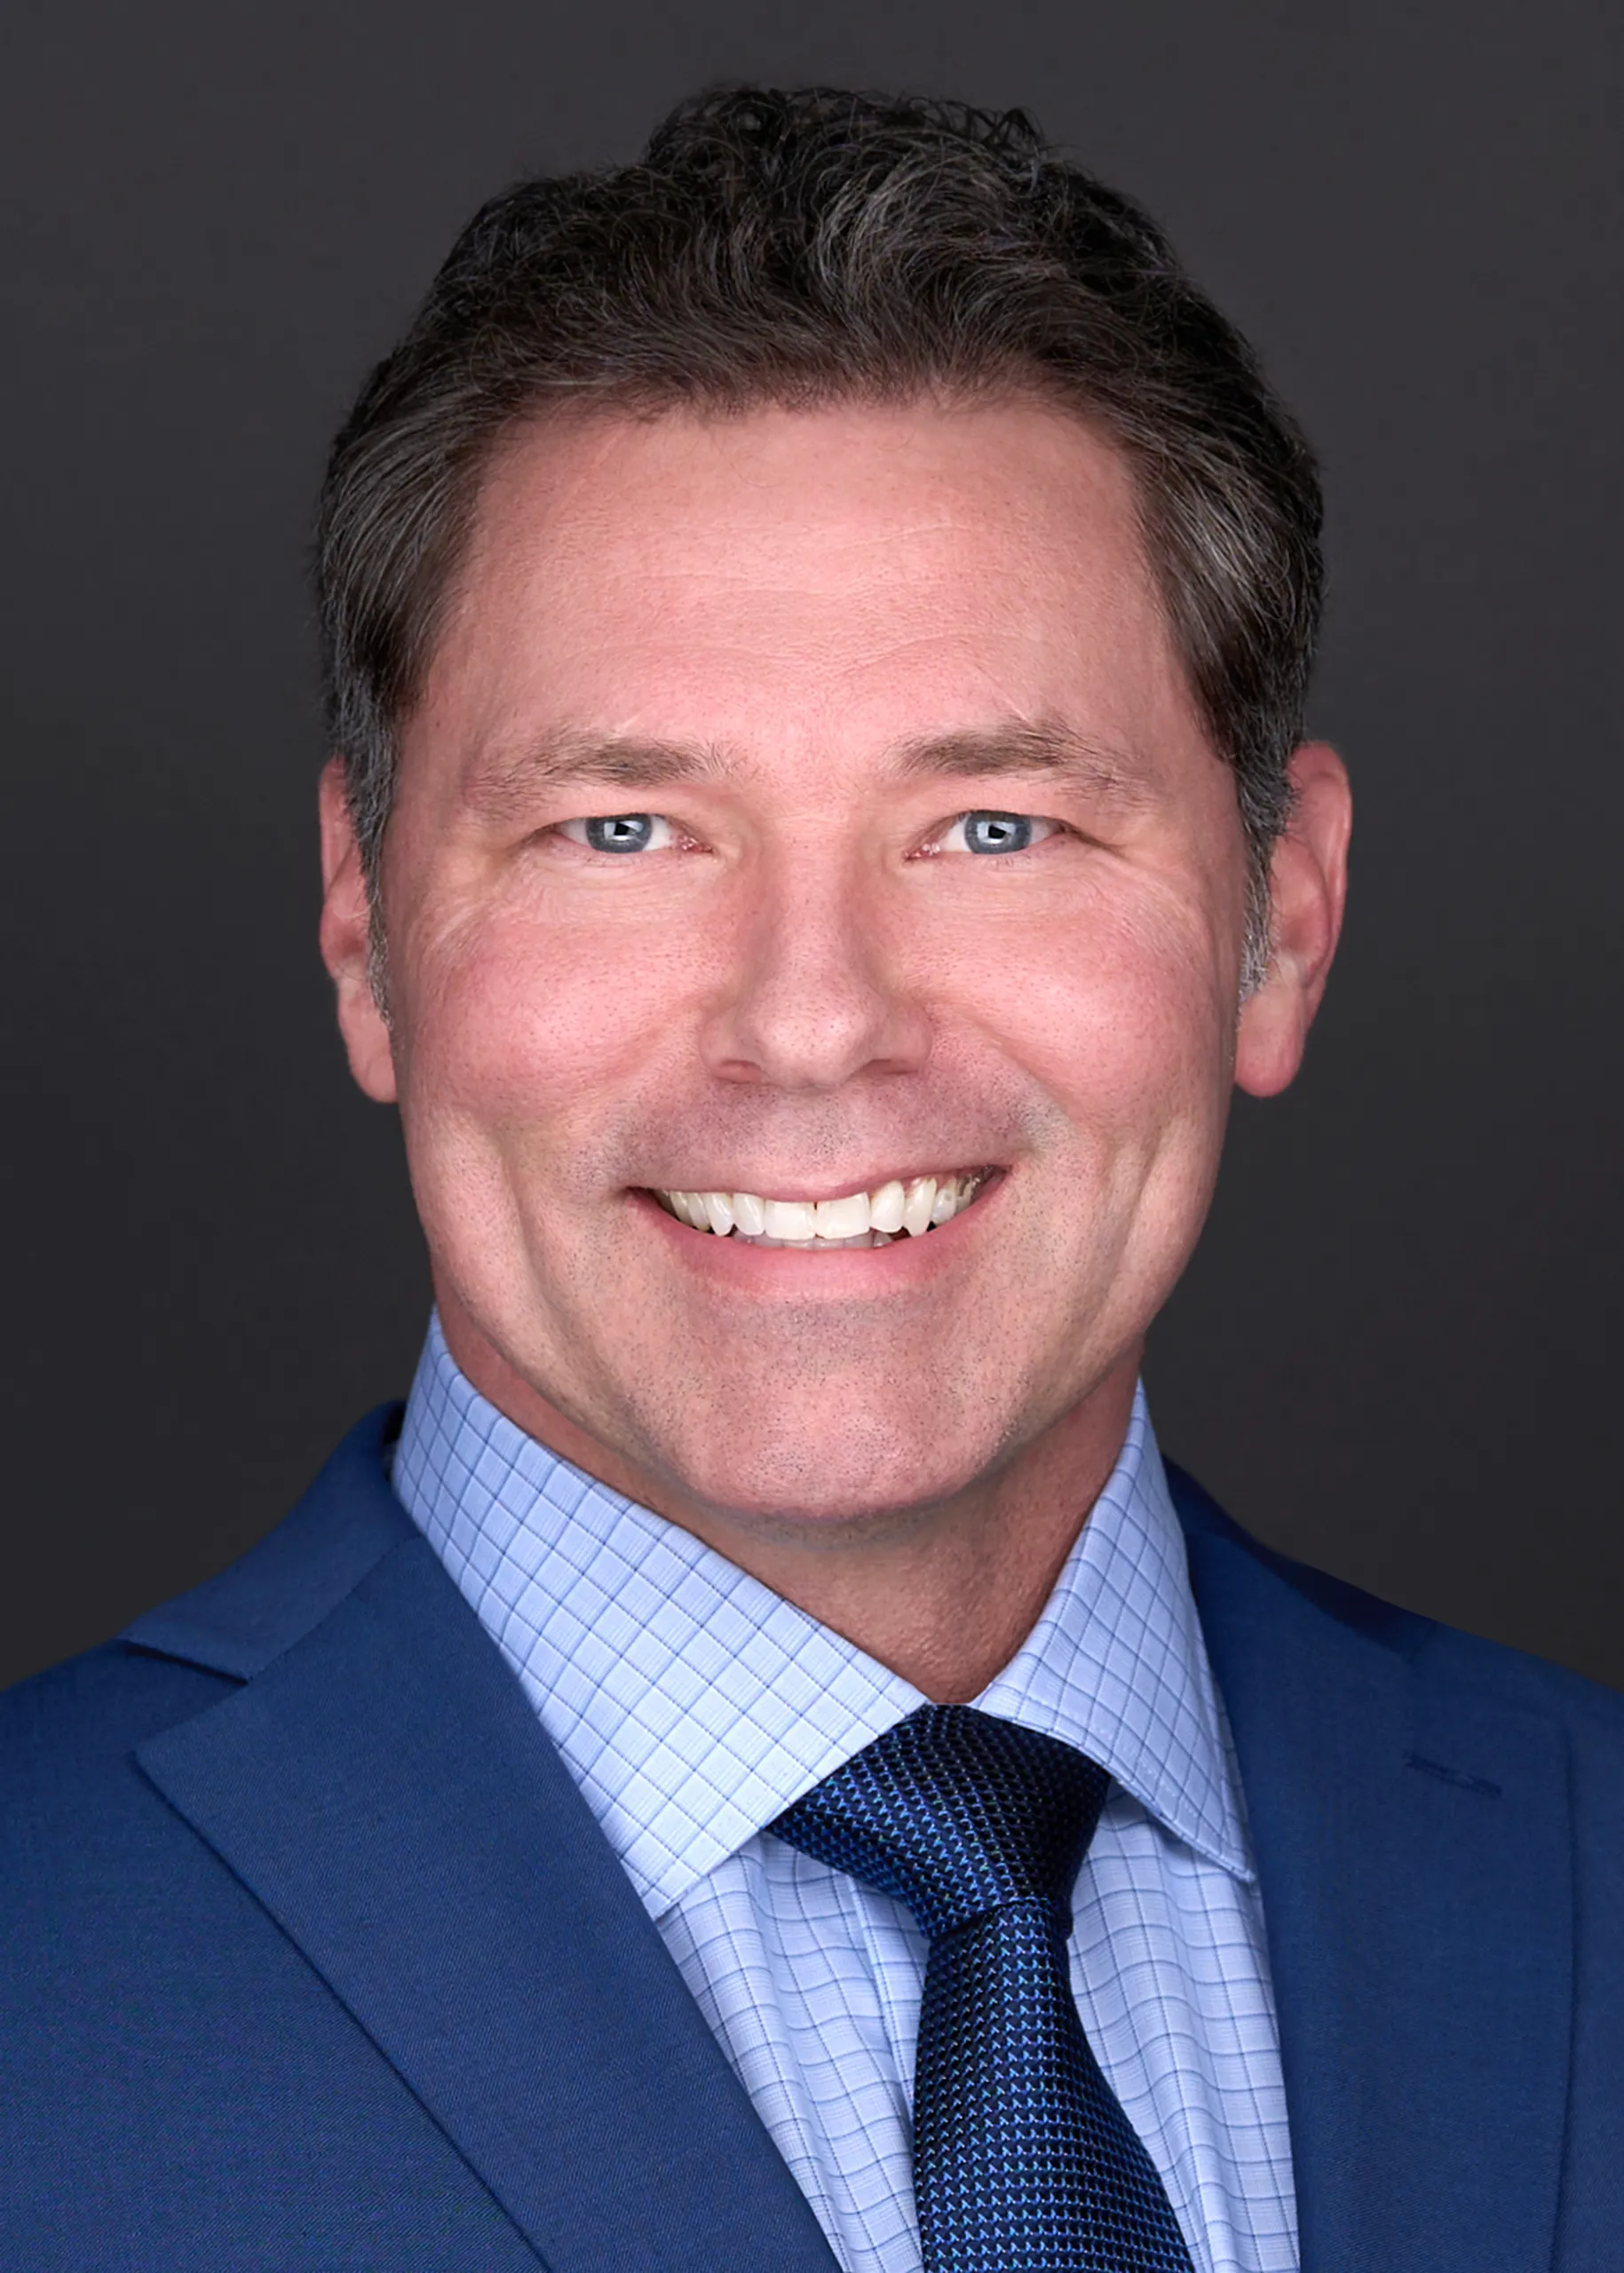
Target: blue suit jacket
314,1956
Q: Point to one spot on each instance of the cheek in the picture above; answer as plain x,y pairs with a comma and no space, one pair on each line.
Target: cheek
519,1023
1120,1017
1123,1024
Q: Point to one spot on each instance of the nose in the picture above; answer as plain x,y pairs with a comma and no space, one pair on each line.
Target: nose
814,998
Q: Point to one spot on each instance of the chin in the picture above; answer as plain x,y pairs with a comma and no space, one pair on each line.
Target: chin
823,1478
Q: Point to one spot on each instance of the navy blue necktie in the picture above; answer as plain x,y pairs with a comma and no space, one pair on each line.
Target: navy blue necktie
1024,2161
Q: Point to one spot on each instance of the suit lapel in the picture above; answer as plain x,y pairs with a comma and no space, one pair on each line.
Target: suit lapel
384,1789
1413,1848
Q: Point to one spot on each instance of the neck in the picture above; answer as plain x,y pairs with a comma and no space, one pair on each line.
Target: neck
943,1594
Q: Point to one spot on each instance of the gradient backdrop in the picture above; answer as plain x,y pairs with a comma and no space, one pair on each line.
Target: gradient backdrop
1396,1353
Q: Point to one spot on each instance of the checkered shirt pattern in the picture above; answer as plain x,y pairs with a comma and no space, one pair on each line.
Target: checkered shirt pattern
691,1706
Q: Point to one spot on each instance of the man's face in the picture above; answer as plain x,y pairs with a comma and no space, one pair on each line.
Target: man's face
790,653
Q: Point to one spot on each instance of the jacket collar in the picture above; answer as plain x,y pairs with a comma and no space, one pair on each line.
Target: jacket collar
241,1621
1413,1849
382,1787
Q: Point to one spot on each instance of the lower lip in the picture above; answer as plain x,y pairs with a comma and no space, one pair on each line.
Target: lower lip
841,1273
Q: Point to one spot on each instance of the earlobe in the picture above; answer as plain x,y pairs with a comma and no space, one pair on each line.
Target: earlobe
1308,888
347,931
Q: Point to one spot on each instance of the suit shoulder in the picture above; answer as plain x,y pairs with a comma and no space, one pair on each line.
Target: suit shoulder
1514,1677
90,1711
68,1735
1522,1678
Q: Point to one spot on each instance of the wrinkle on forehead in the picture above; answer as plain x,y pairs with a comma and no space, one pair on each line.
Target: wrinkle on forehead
1111,779
655,601
858,479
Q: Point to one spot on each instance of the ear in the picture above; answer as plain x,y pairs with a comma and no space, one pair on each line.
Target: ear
1308,885
346,920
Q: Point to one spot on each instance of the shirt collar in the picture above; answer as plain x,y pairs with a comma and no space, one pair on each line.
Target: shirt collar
692,1704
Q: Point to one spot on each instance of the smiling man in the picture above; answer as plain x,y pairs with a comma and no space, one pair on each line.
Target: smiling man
813,917
760,1765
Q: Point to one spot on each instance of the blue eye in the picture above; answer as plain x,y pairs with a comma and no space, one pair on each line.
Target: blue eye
621,833
997,832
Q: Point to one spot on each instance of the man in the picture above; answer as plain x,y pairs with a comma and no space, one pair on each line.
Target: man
761,1766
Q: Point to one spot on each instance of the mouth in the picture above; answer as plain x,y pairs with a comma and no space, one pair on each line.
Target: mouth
896,1209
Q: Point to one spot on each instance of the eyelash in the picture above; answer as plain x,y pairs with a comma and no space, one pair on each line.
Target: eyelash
989,818
576,831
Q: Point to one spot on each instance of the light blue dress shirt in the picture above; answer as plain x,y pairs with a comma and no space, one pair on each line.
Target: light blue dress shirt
691,1705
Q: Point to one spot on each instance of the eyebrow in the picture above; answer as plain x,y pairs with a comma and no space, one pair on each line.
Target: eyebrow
635,762
607,761
1018,748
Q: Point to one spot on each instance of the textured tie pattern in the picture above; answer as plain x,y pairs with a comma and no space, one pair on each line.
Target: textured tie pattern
1024,2161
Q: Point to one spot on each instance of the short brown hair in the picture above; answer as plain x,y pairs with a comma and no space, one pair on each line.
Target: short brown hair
801,247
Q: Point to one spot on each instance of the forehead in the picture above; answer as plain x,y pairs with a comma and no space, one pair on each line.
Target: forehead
849,576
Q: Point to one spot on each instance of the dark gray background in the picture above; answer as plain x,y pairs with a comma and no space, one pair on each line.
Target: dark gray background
1395,1352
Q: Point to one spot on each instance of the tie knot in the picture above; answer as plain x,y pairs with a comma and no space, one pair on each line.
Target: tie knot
955,1813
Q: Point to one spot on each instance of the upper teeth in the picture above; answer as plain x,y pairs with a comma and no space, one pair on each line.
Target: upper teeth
890,1208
